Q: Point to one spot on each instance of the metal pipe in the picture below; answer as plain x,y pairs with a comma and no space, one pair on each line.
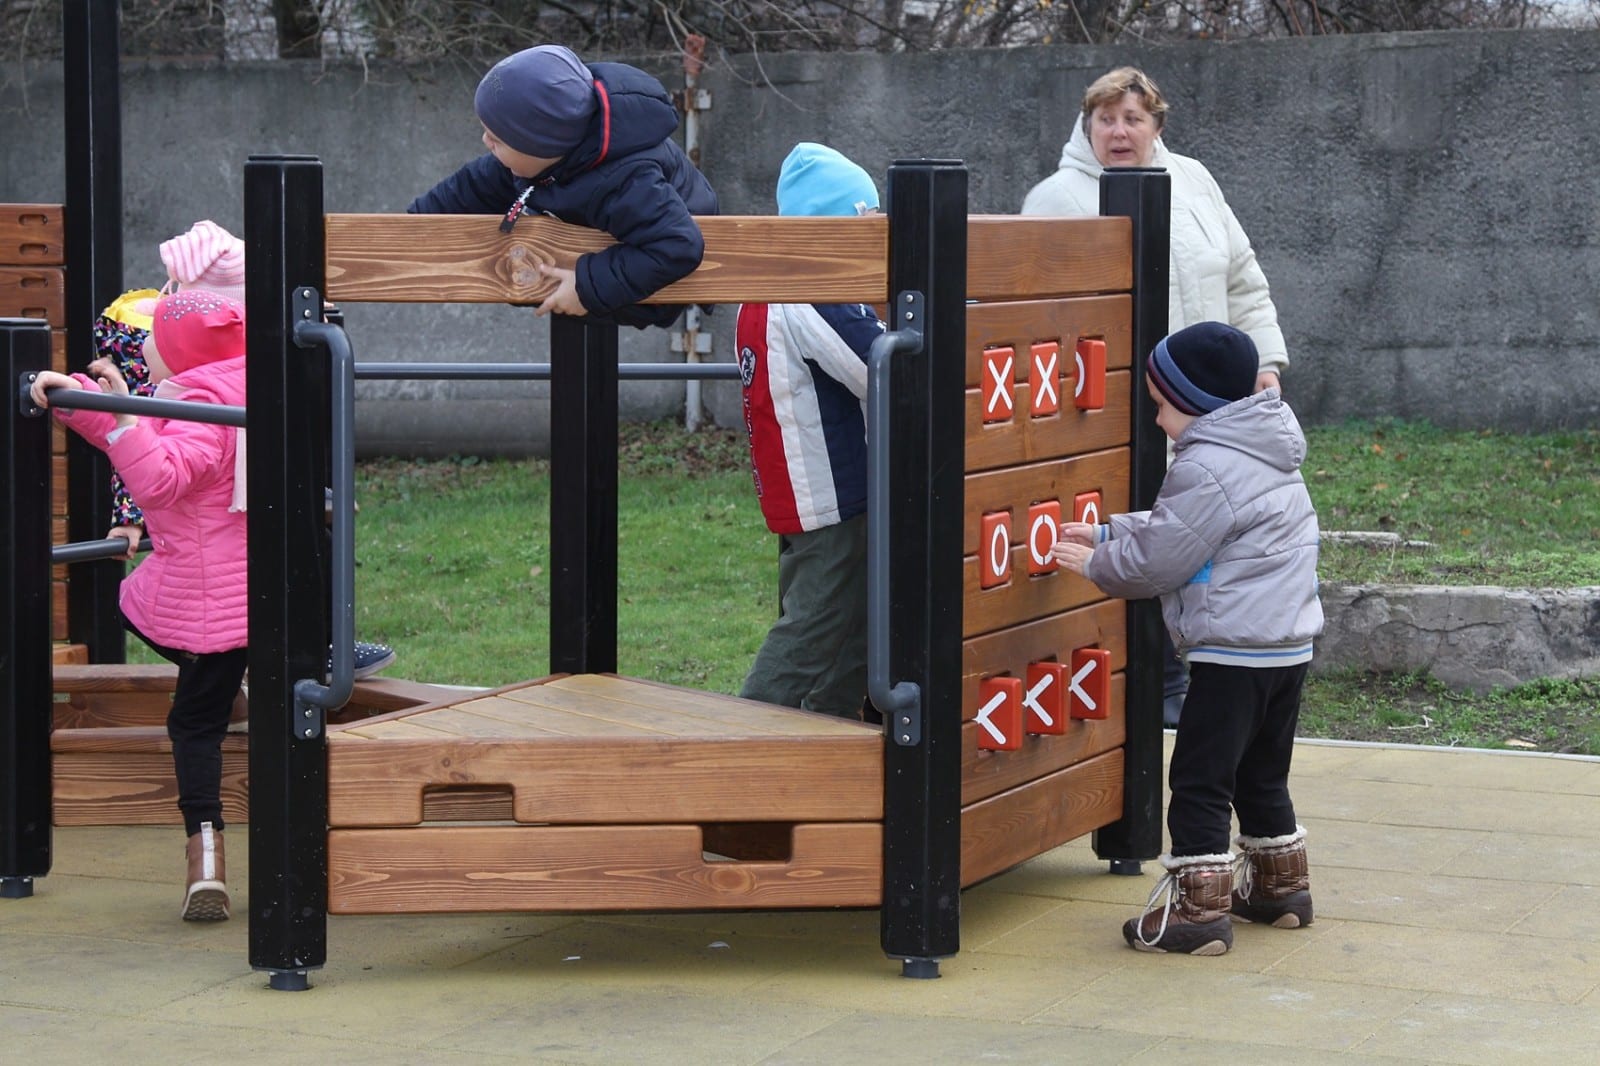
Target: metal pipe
308,692
85,400
694,52
535,371
83,551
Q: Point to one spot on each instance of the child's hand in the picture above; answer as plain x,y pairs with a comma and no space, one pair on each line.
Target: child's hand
110,378
1071,556
49,379
564,300
132,534
1077,533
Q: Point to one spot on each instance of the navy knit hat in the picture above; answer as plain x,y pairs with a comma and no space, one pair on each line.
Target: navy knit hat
816,180
538,101
1205,366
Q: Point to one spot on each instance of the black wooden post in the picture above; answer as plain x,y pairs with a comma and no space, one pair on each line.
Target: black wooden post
90,35
288,426
921,912
25,699
583,496
1143,194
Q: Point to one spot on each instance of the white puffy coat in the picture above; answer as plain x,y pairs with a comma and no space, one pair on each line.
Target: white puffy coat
1214,276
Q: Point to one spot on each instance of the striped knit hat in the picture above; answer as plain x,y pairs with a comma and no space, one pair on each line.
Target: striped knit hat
1203,367
206,257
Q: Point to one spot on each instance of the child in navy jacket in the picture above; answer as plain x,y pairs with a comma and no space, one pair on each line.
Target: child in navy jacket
589,145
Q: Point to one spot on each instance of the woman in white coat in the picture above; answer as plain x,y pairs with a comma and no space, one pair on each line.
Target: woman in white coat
1213,273
1214,276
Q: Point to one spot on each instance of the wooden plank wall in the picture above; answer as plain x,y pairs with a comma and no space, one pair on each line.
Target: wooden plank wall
1041,283
33,285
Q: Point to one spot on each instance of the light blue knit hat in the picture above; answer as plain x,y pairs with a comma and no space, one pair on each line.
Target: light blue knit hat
816,180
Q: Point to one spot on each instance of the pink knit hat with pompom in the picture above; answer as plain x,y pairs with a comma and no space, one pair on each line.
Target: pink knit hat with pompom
193,327
206,257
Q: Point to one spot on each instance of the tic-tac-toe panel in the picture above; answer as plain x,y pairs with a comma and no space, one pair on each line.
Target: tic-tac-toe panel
1026,335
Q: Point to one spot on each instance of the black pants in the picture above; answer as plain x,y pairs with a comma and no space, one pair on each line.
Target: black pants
201,704
1232,750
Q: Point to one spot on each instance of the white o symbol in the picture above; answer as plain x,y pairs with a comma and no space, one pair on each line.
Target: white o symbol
1040,558
1077,389
1000,551
1091,513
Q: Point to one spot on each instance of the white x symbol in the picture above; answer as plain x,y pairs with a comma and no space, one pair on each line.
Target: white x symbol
1001,373
1031,700
1047,378
1076,689
989,708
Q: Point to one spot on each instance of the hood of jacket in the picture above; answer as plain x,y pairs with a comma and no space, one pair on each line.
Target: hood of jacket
635,113
1260,426
1077,154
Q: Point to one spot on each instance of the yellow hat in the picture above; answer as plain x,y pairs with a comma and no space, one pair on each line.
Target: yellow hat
133,308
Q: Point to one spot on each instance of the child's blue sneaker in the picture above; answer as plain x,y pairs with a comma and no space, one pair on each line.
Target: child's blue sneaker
370,658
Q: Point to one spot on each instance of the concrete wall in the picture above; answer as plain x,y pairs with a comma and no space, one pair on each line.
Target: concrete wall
1420,202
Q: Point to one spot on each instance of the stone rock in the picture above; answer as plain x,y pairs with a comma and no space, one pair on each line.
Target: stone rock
1477,638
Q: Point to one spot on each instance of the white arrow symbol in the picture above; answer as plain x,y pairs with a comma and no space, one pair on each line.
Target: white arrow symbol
1091,513
1002,378
1074,688
989,708
1031,700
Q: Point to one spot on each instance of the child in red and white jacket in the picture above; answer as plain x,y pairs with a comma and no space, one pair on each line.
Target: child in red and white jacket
804,369
188,600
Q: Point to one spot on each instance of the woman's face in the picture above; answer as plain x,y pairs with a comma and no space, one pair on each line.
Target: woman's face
1123,133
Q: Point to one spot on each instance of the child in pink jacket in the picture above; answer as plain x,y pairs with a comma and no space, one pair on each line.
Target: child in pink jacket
188,599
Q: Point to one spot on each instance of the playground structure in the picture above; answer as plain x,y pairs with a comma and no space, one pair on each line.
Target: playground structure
584,790
1021,706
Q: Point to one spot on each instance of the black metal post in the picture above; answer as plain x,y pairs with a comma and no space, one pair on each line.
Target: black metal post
288,426
921,912
583,496
25,699
1143,194
90,35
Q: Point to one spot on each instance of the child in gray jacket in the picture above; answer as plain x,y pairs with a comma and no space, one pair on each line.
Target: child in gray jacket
1230,547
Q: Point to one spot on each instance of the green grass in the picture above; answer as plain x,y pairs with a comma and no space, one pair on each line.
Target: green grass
1491,508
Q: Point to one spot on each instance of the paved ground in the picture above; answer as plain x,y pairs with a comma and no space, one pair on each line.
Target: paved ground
1455,893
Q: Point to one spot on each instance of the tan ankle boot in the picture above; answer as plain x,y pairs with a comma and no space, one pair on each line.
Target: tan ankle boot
206,899
1273,880
1187,913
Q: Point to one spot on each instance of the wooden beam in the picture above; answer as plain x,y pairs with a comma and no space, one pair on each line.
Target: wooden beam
1013,257
466,259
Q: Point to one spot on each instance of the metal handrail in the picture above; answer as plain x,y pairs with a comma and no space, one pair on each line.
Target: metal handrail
899,702
537,371
308,692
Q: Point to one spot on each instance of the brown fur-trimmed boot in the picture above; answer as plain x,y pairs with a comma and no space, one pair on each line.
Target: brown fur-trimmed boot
1187,913
1273,881
206,898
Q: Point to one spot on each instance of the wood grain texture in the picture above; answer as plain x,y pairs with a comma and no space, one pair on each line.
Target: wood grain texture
1021,324
595,780
465,258
597,868
1012,257
32,235
29,292
1009,651
133,783
986,773
1069,432
1014,826
1022,599
115,677
69,654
